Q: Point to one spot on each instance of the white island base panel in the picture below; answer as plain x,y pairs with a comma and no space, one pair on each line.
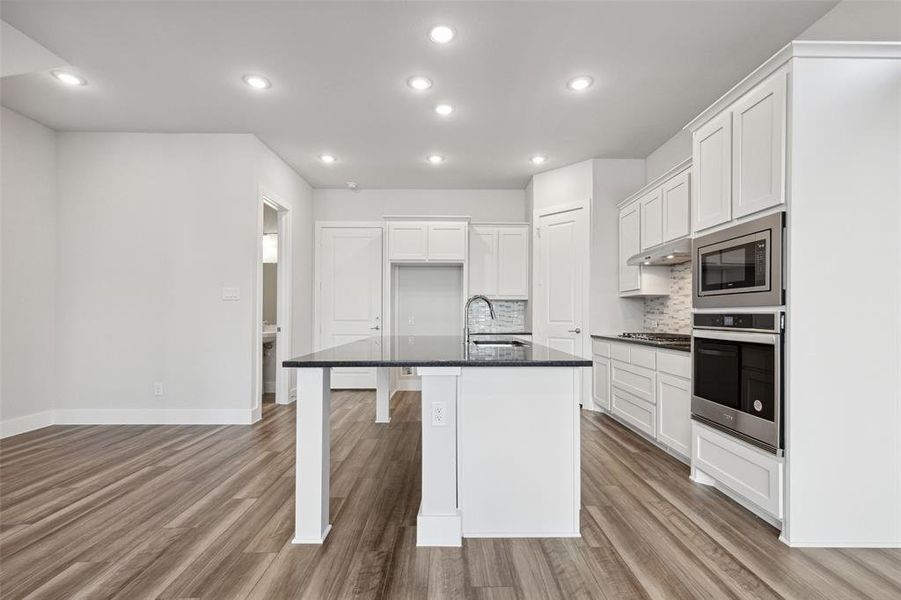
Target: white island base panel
500,454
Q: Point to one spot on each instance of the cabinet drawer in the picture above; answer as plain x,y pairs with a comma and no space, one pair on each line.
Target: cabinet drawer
643,357
601,348
752,473
638,381
634,411
674,363
620,352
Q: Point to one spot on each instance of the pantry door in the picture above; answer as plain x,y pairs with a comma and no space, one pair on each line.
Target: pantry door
349,269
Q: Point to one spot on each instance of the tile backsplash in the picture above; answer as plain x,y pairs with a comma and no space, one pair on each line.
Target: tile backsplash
671,313
510,316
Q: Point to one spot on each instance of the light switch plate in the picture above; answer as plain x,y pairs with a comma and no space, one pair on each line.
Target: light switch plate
231,293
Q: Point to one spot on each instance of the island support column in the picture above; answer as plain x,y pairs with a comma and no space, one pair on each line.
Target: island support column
382,394
439,522
311,483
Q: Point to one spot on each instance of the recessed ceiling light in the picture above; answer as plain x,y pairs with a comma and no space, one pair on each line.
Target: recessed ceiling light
670,256
69,78
435,159
257,82
352,185
538,159
419,83
444,109
327,158
442,34
582,82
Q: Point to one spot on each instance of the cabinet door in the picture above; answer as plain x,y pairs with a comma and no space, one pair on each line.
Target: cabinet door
652,219
676,200
513,262
758,148
408,241
674,413
712,165
483,261
447,241
601,382
629,245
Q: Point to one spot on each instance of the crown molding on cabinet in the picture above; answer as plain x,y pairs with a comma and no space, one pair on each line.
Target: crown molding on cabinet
796,49
685,164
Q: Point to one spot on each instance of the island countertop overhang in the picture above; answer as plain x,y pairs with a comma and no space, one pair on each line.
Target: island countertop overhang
433,351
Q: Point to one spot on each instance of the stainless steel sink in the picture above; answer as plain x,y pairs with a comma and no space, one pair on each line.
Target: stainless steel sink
497,343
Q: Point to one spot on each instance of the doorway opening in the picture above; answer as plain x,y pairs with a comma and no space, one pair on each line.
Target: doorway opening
273,384
270,302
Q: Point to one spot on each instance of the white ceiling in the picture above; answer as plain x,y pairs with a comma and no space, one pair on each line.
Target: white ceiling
339,69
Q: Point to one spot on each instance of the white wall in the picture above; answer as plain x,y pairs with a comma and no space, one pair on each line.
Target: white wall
613,182
29,239
843,405
151,228
372,205
566,185
858,20
668,155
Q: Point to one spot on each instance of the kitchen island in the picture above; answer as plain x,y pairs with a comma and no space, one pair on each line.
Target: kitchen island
500,436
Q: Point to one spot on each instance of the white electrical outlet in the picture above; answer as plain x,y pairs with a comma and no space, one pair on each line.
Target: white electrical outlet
439,414
157,388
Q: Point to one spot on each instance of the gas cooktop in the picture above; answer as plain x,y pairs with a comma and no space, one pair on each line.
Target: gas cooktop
649,336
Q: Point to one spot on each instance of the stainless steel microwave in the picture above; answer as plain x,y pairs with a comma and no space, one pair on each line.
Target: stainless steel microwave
740,266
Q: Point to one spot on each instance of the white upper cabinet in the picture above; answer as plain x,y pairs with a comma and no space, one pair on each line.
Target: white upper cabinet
421,241
499,261
483,260
758,148
712,164
676,200
447,241
513,262
629,244
408,240
651,219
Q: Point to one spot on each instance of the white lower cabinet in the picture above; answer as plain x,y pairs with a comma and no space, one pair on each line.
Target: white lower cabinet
674,412
647,389
752,474
601,382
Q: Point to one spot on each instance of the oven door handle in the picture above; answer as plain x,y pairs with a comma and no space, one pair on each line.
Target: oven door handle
771,339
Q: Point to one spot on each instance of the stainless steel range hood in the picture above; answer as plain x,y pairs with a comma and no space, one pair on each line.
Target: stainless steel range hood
672,253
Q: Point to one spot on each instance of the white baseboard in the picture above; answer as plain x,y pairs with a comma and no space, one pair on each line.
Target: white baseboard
839,544
158,416
24,424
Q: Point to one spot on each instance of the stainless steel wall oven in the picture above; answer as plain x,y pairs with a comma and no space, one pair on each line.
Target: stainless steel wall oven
737,375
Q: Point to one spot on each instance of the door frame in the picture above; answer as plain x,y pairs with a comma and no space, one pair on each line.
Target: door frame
284,297
318,227
586,395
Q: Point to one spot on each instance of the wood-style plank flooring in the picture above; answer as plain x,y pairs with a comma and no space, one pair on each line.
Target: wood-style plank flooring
206,512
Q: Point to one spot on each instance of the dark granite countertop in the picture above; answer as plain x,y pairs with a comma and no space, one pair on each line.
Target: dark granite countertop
663,345
434,351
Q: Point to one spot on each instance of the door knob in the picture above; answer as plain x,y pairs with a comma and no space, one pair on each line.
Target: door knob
376,327
576,330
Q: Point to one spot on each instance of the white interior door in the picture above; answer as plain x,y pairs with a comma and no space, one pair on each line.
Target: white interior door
350,295
562,280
